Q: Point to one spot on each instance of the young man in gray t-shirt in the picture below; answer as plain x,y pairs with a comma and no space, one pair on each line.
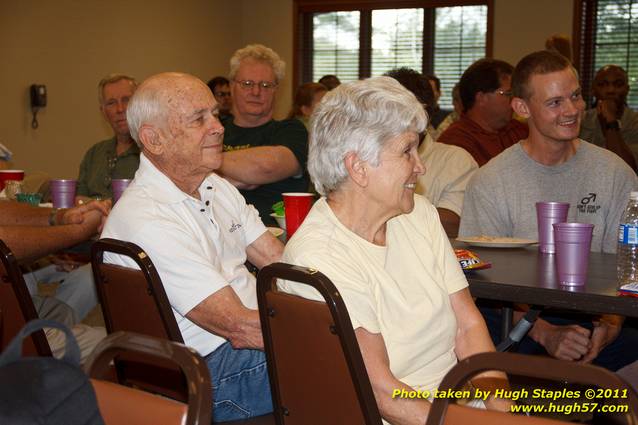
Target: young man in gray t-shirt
553,164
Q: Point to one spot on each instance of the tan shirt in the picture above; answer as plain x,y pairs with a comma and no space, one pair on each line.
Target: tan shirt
400,291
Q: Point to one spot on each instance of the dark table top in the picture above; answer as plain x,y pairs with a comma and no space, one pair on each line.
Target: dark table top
524,275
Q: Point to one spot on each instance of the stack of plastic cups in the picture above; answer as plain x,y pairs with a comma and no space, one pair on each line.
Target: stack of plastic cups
63,192
547,214
573,243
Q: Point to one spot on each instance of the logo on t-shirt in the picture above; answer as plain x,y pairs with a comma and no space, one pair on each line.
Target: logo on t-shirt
234,227
588,205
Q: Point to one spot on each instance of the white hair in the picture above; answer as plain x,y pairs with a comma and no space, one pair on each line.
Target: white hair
148,104
260,53
359,117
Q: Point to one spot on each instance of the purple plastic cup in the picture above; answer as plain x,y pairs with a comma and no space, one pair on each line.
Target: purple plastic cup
548,213
63,192
573,243
119,186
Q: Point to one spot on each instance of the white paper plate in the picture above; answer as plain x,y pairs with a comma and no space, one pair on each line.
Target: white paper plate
496,241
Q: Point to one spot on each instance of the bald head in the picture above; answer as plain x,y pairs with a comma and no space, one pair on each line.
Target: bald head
157,96
611,83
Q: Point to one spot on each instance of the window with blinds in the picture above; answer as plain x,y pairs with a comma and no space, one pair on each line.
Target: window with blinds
368,42
335,45
460,41
608,35
397,39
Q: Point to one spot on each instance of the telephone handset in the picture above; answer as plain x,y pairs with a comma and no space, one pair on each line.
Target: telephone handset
38,100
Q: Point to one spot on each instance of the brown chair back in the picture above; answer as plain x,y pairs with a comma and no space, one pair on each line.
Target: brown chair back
311,344
134,300
443,412
124,405
17,307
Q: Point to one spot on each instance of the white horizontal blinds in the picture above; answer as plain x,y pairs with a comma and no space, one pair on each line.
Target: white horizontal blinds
397,39
616,40
460,38
336,45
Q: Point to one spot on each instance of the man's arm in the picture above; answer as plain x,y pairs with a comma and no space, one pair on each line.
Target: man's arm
28,242
223,314
265,250
259,165
20,214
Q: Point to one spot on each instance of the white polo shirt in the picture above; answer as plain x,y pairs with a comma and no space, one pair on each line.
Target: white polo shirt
197,246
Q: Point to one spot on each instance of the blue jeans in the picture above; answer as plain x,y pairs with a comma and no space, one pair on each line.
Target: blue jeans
241,388
617,354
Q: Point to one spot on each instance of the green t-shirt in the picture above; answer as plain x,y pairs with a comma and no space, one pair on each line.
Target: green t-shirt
101,164
289,133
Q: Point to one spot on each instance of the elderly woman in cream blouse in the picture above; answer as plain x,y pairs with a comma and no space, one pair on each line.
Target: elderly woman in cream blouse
384,247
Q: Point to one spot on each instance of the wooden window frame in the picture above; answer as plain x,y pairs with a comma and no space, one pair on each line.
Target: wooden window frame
302,10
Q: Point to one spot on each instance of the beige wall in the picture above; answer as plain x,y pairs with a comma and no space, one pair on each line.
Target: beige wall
521,26
70,44
270,23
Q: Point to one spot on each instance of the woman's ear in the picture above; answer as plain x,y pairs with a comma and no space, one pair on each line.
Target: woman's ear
150,139
357,169
520,106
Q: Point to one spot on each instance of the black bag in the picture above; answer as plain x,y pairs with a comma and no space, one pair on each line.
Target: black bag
45,390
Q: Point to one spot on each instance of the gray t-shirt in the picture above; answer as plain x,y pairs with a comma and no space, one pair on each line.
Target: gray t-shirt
500,200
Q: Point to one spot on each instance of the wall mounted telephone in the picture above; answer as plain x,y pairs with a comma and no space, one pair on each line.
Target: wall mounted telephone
38,101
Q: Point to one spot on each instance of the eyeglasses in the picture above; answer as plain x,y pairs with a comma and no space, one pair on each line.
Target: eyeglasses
249,84
506,93
222,94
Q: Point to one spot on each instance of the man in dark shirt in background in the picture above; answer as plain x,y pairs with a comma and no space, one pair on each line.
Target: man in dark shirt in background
262,157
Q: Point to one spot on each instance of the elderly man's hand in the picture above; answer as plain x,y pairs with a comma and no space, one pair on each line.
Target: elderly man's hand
570,342
77,215
605,332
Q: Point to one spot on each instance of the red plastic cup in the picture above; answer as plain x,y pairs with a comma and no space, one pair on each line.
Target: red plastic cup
573,243
548,213
119,186
297,206
63,192
10,175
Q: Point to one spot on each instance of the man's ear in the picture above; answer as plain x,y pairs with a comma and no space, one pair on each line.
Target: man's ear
305,110
150,139
357,169
520,106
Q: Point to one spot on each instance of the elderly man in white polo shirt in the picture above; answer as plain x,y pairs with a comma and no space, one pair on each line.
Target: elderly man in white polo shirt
199,231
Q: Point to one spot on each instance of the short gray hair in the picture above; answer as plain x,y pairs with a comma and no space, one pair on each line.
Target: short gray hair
112,78
259,53
359,117
147,105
